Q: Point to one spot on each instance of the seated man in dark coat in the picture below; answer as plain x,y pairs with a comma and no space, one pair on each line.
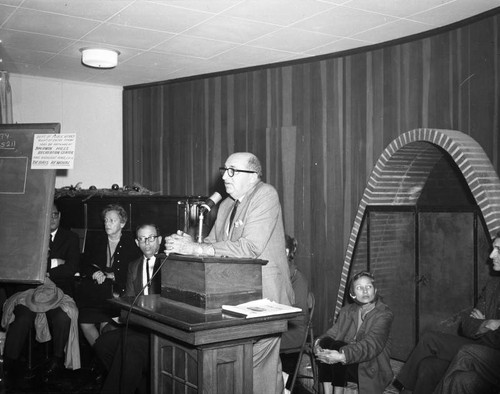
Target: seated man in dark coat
62,263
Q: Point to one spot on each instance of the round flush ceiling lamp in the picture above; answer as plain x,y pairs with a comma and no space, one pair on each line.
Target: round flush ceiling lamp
99,57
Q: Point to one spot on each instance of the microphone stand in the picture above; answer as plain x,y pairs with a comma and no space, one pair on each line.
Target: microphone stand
199,237
124,333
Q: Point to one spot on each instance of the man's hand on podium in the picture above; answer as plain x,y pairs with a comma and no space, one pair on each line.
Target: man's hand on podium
183,243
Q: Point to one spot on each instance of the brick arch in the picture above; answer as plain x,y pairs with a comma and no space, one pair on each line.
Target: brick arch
403,168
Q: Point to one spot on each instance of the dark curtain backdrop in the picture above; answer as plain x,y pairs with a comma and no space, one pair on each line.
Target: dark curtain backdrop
318,127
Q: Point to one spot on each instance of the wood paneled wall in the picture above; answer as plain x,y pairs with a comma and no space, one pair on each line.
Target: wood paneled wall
318,127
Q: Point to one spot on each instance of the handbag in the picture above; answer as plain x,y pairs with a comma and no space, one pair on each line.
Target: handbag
90,294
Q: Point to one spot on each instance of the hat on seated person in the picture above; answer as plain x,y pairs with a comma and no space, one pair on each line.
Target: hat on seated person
45,297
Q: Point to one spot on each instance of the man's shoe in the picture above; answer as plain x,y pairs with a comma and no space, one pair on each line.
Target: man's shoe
15,379
398,385
54,365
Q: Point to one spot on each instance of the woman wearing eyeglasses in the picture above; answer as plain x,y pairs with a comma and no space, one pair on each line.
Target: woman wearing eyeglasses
104,272
357,347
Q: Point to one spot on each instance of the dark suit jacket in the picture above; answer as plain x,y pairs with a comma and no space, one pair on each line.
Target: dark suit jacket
66,246
489,305
135,277
257,232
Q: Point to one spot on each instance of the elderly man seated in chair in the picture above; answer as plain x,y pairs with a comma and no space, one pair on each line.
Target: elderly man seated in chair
46,307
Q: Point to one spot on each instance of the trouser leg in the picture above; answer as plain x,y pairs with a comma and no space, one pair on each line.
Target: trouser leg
267,375
60,323
467,383
432,344
106,346
18,331
474,369
430,372
129,361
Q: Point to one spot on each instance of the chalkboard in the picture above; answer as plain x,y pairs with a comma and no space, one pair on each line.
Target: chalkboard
26,197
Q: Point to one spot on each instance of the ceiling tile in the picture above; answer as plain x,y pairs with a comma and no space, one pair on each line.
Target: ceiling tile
14,55
212,6
159,17
150,74
92,9
343,44
392,31
32,41
159,60
118,76
338,2
5,12
250,56
67,62
205,67
22,68
194,46
64,68
127,36
280,12
121,79
11,2
455,11
230,29
397,8
339,21
293,40
51,24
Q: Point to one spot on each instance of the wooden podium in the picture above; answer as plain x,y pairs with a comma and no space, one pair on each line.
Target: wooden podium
206,283
195,347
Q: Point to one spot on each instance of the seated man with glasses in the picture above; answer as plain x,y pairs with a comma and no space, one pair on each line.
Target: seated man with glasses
128,369
62,263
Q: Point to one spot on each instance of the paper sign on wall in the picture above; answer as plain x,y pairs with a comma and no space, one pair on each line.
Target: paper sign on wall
53,151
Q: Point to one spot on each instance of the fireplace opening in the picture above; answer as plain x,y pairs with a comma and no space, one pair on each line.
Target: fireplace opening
423,234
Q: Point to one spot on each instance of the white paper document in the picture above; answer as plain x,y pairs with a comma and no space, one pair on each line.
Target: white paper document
259,308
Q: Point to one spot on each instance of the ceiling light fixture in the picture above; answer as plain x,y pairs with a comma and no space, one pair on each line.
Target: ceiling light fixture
99,57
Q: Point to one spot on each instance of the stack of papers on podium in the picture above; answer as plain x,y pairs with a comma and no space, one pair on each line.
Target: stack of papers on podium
259,308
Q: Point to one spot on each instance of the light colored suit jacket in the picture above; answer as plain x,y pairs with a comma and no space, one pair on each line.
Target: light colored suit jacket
257,232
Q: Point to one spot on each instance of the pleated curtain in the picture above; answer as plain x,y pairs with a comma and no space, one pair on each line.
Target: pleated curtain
5,98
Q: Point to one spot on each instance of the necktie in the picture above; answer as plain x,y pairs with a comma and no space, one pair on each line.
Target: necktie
148,276
233,213
49,253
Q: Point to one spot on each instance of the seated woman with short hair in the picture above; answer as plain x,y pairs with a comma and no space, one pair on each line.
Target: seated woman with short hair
357,347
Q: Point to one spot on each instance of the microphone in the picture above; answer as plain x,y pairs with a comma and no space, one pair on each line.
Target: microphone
210,203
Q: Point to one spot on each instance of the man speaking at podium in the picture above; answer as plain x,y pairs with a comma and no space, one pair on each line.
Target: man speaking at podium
249,224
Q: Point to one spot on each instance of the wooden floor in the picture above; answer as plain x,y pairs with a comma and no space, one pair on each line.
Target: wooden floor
396,366
306,385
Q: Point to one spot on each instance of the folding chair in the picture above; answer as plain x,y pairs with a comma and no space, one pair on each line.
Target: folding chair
307,349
